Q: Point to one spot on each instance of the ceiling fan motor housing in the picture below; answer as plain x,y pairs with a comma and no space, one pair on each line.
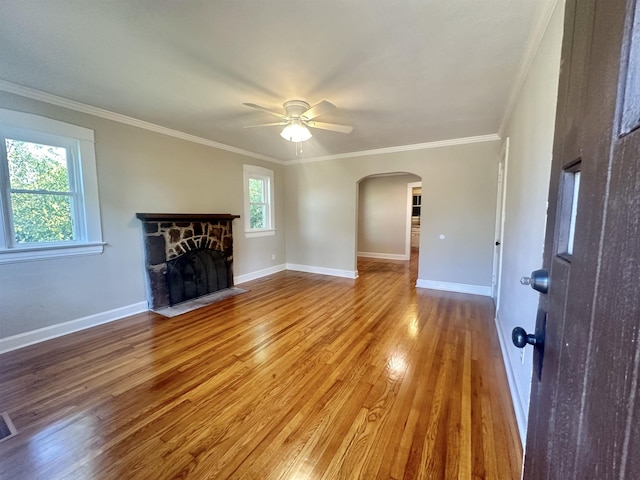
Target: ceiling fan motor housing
295,108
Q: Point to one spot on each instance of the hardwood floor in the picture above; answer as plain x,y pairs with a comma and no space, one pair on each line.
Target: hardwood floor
304,377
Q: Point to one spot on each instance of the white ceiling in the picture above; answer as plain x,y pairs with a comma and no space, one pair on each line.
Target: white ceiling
401,72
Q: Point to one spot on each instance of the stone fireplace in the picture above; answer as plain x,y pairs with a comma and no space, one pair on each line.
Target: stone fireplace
186,255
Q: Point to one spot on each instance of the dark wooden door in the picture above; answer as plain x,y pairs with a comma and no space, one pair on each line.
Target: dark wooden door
584,419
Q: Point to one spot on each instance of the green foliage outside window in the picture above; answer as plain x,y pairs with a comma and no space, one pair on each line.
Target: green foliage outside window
41,200
257,206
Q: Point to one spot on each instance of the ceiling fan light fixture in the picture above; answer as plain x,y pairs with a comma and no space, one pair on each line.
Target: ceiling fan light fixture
296,132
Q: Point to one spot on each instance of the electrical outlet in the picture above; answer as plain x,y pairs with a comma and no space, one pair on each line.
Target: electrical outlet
273,256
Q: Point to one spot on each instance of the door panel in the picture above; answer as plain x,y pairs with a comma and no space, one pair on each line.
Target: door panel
544,414
584,412
501,201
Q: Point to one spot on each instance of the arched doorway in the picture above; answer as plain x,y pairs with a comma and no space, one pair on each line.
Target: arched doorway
388,216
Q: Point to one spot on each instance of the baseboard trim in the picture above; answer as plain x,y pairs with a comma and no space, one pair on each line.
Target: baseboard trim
383,256
454,287
334,272
518,407
53,331
247,277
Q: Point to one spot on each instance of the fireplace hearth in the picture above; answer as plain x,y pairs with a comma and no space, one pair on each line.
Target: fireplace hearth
186,255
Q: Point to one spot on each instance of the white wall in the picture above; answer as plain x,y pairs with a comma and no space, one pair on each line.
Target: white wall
138,171
458,197
530,130
382,215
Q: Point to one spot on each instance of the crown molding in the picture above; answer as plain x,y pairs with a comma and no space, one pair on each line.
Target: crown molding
402,148
531,49
27,92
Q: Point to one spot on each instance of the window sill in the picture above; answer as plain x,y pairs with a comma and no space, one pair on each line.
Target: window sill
28,254
259,233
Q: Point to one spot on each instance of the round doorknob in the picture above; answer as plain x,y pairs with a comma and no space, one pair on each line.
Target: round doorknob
520,338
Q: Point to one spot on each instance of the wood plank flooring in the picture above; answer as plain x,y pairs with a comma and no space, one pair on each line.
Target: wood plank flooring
303,377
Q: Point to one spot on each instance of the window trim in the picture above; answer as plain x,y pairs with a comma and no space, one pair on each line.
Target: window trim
80,144
249,172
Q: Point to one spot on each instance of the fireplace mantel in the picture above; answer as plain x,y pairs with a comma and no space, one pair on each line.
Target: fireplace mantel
165,217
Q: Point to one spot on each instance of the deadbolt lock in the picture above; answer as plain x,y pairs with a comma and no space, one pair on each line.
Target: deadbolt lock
539,280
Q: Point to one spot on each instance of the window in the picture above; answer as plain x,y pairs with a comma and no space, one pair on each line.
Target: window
631,109
48,189
258,199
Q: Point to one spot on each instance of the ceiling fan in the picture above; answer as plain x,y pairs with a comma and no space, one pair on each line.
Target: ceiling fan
298,116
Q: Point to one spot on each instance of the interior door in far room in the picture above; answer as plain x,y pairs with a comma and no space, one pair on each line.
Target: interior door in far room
501,202
584,419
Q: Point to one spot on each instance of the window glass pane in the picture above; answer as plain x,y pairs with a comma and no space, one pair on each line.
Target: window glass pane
258,198
257,218
37,167
41,217
631,110
574,212
256,190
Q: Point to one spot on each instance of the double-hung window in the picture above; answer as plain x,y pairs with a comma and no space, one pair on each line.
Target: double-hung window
258,199
48,189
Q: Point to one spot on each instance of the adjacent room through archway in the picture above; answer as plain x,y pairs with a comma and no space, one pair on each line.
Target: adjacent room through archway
389,216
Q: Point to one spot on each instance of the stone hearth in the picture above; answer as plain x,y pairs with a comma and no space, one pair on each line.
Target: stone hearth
168,236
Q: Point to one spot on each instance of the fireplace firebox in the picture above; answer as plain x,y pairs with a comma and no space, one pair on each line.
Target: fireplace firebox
186,255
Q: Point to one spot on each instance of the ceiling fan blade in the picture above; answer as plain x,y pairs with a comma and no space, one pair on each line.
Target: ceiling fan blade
317,110
334,127
266,124
258,107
